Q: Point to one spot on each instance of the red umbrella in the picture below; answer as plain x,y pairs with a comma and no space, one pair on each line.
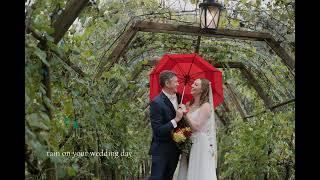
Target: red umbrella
188,68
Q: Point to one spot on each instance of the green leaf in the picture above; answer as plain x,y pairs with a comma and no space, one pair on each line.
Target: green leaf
75,124
71,171
39,149
42,55
66,120
144,62
61,172
235,23
48,37
75,167
35,120
68,108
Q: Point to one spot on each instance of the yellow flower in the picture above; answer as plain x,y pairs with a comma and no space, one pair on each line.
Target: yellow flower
179,137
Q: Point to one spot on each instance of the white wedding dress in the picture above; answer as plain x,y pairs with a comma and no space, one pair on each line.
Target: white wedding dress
202,163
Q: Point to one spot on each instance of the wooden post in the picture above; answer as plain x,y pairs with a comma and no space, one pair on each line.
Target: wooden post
254,83
117,52
224,104
281,52
65,20
222,118
113,175
47,83
197,48
48,164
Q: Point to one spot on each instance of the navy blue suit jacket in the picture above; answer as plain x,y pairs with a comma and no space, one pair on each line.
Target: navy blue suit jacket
161,114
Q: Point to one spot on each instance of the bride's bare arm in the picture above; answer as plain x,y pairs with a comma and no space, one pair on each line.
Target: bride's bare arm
201,119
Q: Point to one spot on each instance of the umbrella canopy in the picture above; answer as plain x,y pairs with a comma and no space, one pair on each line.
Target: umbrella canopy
188,68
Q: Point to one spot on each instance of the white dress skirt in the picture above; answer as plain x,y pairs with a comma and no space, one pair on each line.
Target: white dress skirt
201,164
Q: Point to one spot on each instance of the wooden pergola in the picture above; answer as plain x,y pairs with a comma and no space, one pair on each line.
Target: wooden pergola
193,31
155,27
73,9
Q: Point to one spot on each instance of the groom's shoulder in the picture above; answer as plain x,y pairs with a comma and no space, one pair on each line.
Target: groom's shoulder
157,99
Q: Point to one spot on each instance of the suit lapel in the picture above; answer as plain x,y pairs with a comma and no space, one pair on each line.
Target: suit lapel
168,103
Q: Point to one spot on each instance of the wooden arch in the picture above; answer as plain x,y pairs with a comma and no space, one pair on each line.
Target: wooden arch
155,27
193,31
74,7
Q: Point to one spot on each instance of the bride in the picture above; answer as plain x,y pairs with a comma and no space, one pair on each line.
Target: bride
202,161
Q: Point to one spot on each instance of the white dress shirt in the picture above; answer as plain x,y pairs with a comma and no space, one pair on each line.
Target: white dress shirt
174,101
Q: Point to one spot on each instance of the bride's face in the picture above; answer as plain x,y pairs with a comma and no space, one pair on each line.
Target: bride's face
196,87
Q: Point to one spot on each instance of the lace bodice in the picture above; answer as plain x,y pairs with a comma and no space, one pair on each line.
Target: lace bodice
204,128
207,128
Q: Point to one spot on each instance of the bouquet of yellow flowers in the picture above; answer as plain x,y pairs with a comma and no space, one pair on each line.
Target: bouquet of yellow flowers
181,134
182,137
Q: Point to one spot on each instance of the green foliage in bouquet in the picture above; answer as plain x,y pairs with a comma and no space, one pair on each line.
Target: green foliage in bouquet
182,135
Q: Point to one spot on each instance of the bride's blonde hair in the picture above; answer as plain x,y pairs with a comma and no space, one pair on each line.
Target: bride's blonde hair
204,96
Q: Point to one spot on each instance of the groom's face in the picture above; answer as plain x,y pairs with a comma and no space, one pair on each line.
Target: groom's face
172,84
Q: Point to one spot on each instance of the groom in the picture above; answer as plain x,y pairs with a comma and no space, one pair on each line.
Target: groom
164,115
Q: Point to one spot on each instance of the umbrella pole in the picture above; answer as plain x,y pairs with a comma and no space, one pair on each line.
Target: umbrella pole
184,88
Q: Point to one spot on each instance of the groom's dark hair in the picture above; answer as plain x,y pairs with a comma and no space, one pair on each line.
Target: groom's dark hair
166,75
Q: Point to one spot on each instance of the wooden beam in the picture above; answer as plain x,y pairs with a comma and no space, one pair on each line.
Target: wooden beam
194,31
117,52
70,64
283,103
235,100
254,83
65,20
226,107
273,107
228,64
220,33
197,31
281,52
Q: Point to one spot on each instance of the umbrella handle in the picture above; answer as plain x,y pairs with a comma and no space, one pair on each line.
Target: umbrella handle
184,88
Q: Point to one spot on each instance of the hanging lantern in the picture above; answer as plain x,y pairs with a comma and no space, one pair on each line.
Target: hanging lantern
209,14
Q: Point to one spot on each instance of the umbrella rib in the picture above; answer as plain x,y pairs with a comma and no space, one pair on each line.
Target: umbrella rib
191,64
179,76
177,65
191,78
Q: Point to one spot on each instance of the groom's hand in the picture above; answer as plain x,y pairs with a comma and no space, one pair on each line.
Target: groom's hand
179,114
183,107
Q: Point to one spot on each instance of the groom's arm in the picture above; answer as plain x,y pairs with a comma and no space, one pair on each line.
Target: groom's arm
156,119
